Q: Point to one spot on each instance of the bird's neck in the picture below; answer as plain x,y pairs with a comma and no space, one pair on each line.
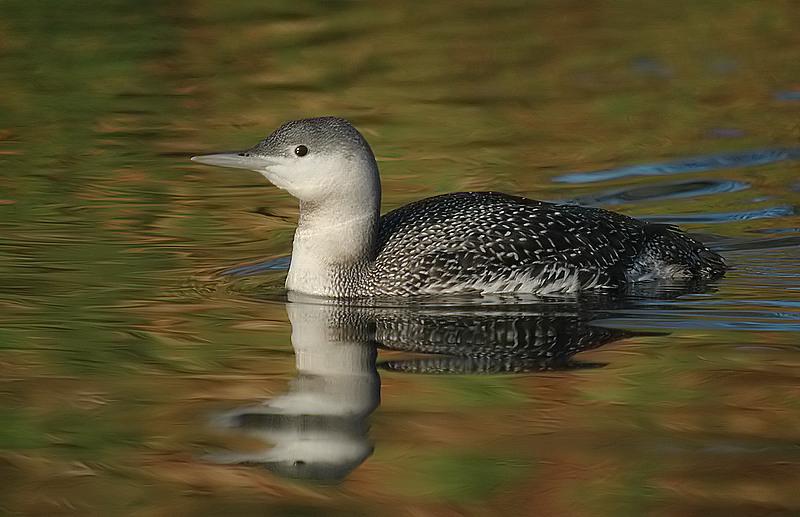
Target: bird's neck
334,243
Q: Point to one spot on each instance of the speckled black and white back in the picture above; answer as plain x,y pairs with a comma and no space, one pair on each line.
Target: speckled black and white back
492,243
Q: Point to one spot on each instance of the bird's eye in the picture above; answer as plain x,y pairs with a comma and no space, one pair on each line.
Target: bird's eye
301,150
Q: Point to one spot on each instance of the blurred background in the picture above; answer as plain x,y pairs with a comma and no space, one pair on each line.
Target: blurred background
120,332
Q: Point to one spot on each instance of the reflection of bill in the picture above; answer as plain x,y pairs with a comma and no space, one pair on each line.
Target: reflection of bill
318,430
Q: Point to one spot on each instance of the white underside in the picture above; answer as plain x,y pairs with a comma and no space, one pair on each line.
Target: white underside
656,270
552,280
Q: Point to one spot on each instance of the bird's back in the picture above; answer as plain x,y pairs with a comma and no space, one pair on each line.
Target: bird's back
493,242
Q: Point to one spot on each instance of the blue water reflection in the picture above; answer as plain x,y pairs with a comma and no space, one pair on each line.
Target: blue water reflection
701,163
680,190
771,212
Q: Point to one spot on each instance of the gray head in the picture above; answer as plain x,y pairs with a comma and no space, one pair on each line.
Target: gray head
312,159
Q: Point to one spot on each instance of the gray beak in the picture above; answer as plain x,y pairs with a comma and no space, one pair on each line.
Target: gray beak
234,160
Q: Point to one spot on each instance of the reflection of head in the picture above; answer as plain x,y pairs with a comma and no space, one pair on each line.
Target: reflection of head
318,429
318,447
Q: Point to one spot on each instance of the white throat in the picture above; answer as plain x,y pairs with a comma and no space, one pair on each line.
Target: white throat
335,237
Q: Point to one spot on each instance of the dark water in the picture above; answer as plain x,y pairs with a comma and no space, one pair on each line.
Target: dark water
150,363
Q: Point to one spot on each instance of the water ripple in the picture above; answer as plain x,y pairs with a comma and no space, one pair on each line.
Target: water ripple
789,95
694,164
273,264
681,190
723,217
681,319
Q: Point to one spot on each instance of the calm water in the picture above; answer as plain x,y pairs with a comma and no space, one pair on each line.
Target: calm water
150,363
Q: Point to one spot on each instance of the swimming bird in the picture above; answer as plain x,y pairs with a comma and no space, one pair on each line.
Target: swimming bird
486,242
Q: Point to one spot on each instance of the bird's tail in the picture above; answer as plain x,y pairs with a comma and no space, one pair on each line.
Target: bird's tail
669,249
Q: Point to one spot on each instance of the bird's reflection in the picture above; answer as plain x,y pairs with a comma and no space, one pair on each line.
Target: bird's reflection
319,429
503,340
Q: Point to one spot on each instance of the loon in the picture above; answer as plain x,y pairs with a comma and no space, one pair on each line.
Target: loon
485,242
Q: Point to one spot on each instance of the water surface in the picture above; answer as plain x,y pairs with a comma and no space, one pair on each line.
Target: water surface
149,361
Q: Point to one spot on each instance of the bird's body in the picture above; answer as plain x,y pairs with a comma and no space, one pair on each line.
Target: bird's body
491,242
484,242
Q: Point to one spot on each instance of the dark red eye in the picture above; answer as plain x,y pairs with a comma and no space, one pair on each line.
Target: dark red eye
301,150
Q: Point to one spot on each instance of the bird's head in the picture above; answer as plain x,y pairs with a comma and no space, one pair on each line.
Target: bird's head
313,159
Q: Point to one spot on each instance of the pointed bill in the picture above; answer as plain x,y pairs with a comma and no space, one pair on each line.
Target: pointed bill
235,160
